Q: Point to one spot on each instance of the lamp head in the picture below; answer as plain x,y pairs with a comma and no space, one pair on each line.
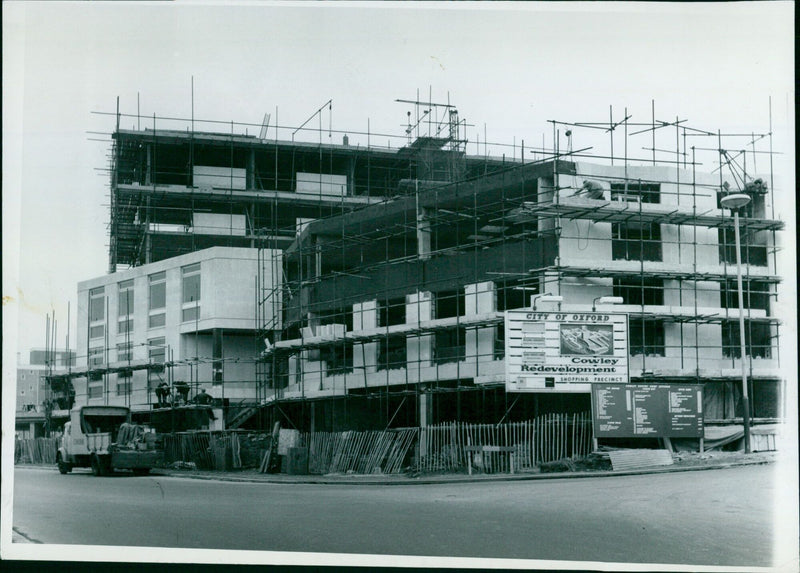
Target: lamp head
735,200
546,298
607,300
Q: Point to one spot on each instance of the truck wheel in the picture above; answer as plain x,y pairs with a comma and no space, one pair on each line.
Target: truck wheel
141,471
63,467
98,468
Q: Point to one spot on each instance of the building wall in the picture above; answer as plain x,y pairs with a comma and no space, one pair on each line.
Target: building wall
690,350
227,304
30,388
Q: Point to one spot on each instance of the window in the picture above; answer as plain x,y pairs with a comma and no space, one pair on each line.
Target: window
450,345
632,242
756,295
157,299
752,254
640,290
337,316
97,305
156,351
767,399
757,339
97,313
338,358
646,337
512,295
191,292
392,352
96,356
190,314
124,352
392,311
157,320
97,331
95,390
95,385
449,304
124,379
125,298
125,307
125,325
636,191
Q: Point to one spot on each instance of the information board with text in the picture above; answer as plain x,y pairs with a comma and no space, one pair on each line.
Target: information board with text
647,410
564,351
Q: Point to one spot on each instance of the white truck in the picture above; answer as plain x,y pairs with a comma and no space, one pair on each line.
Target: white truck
101,437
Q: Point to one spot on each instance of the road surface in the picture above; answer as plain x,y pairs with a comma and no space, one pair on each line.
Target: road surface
714,517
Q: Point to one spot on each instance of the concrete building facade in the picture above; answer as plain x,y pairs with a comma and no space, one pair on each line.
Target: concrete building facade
184,319
403,302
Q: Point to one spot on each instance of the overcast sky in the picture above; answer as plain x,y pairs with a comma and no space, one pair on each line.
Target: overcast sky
508,69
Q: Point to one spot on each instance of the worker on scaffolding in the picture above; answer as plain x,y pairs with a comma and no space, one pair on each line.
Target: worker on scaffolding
182,389
203,398
591,189
162,394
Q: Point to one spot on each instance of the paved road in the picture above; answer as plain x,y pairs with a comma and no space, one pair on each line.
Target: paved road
717,517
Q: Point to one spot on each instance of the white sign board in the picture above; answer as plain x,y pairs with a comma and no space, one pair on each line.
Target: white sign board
565,351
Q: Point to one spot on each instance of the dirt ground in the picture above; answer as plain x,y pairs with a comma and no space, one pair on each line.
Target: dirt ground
721,457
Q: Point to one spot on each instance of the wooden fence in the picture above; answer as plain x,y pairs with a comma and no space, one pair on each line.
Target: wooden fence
207,450
35,451
369,452
544,439
430,449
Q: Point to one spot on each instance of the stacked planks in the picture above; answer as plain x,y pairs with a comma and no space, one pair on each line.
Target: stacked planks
367,452
35,450
547,438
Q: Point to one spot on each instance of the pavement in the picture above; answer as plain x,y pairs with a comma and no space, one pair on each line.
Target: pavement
683,462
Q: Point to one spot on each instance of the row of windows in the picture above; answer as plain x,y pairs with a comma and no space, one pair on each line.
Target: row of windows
650,291
645,338
124,386
635,291
156,352
633,242
157,302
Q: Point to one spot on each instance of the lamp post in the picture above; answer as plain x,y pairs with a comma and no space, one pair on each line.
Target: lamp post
545,298
606,300
734,202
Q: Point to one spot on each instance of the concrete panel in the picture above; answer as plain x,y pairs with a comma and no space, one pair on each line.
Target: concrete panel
219,177
321,184
583,239
583,290
219,224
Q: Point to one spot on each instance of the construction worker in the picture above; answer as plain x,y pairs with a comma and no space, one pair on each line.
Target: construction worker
182,388
203,398
162,393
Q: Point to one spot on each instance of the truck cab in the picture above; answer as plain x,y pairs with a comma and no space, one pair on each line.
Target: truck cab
90,439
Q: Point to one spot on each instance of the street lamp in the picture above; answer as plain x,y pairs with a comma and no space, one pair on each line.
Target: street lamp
734,202
545,298
606,300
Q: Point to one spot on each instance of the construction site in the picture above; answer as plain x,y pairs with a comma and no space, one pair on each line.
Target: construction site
323,280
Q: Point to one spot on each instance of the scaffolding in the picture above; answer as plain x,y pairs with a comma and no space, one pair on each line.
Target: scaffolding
384,271
516,229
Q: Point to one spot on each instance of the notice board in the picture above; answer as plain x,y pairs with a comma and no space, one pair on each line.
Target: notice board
564,351
647,410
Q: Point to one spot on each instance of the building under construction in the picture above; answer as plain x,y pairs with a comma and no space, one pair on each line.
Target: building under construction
379,276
